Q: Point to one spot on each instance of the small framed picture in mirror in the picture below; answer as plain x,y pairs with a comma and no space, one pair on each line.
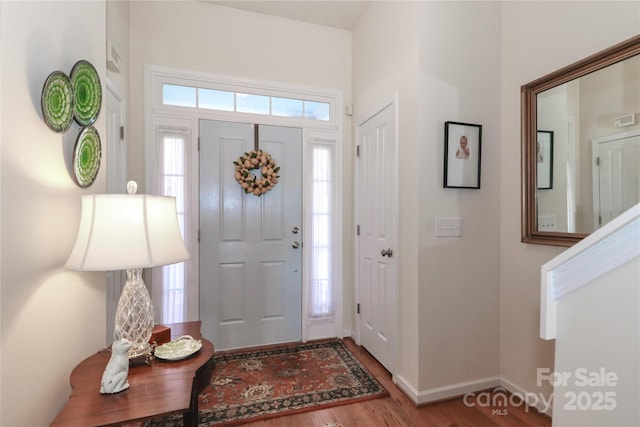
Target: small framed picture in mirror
544,160
462,149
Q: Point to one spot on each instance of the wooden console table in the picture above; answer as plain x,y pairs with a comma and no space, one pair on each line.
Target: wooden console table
161,389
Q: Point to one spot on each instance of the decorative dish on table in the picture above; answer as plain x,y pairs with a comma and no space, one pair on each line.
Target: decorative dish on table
178,349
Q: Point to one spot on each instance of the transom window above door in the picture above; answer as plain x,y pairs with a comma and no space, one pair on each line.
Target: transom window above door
242,102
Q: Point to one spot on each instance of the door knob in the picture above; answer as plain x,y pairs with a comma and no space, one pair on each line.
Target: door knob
386,252
295,230
295,245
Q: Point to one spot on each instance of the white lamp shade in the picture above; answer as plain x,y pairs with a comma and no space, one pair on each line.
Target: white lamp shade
122,231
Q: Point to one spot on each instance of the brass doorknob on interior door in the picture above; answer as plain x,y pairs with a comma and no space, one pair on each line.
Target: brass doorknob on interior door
295,245
386,252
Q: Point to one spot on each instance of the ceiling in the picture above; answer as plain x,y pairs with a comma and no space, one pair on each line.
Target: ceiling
338,13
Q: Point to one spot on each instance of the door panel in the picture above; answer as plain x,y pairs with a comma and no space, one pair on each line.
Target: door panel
377,186
250,273
618,177
116,183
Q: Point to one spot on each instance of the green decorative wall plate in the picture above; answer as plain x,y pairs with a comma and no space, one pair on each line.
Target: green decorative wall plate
86,156
57,102
87,92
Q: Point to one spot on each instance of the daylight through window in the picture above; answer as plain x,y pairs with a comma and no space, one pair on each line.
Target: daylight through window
241,102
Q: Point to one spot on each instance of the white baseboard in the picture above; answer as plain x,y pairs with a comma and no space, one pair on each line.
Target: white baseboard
535,400
541,403
497,384
446,392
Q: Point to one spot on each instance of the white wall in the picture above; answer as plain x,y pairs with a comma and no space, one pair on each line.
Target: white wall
385,60
444,61
459,276
598,330
204,37
553,115
538,38
51,318
473,58
1,352
118,34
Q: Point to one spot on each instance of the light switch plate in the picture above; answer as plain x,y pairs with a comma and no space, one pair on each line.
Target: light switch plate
448,227
547,223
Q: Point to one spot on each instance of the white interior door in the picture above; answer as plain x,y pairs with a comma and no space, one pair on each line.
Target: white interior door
116,183
250,268
376,257
618,177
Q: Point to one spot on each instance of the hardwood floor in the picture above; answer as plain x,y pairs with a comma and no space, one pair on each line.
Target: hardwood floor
398,410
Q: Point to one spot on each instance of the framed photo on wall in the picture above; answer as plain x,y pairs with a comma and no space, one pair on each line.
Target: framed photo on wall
544,158
462,150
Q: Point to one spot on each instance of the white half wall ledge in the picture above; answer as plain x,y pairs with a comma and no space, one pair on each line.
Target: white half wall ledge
606,249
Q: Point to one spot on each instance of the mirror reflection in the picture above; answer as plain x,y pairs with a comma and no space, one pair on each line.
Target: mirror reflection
588,149
581,146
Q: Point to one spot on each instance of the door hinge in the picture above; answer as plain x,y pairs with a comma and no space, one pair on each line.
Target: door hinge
121,132
198,143
358,230
599,219
198,235
358,308
597,161
357,151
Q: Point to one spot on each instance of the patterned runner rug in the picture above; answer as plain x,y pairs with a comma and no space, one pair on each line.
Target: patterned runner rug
252,385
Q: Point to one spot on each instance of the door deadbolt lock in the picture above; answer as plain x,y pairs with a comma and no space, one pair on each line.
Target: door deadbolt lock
386,252
295,245
295,230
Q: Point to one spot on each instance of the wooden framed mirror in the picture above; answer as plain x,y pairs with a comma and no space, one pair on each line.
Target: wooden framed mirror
581,146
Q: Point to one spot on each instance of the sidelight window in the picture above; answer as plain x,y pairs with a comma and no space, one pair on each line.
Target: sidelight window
169,281
321,301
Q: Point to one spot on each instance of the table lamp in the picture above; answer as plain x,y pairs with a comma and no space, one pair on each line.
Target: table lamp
129,232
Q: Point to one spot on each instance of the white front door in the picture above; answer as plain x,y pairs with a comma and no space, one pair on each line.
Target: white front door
376,257
618,176
250,266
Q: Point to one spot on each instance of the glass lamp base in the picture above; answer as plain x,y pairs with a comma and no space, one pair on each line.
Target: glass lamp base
134,315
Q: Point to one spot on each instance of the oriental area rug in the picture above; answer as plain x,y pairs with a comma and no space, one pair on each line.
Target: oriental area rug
253,385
